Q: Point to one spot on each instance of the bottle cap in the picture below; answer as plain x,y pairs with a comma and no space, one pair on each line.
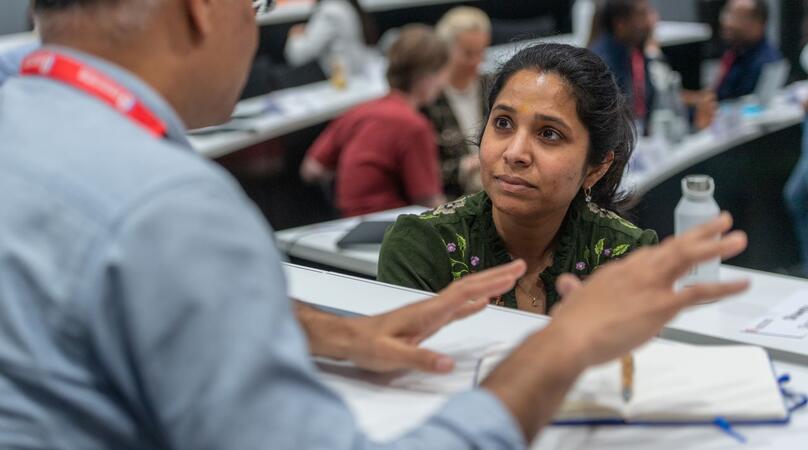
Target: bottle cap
698,187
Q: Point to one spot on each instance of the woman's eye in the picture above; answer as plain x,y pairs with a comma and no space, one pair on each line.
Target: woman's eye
550,134
501,122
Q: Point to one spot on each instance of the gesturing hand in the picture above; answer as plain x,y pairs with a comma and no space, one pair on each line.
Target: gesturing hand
390,341
627,302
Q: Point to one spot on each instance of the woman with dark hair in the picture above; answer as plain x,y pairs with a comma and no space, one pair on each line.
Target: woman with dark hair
555,144
338,32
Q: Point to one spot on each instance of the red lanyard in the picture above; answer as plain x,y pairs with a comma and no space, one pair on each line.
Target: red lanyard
638,82
727,60
59,67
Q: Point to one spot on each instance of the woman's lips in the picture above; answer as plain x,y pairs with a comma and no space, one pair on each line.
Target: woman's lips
513,184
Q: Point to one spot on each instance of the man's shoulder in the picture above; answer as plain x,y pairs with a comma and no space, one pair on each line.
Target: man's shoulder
88,154
771,53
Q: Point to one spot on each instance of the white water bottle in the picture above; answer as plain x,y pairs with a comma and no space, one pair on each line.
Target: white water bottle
696,207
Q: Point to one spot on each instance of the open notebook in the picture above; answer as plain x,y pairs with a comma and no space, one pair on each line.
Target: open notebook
681,384
673,384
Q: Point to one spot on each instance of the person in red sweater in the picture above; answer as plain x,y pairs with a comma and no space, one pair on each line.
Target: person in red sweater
384,152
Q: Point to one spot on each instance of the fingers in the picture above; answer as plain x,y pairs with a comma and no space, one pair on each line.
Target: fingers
676,255
461,299
485,284
694,253
469,308
702,292
567,283
410,357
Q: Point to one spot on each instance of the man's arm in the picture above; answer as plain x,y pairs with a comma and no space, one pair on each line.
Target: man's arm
195,333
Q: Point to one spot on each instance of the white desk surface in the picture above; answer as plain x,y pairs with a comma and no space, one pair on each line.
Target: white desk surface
318,242
724,322
703,145
297,108
300,10
509,327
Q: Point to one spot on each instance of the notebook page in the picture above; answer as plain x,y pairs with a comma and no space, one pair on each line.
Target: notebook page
697,384
597,394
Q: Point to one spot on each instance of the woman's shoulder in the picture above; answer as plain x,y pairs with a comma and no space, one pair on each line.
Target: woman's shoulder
465,209
603,222
450,219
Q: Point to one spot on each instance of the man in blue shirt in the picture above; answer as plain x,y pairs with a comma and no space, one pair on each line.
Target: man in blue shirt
743,30
624,28
142,301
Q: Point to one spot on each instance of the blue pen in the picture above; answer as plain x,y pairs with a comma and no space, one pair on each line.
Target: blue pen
726,427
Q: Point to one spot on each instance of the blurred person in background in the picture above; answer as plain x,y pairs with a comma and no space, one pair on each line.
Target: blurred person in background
383,153
457,114
625,41
743,30
338,32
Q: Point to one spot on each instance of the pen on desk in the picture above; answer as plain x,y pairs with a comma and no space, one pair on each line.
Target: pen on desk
627,369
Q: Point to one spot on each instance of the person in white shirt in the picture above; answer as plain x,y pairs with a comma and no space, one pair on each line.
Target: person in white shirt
338,32
458,113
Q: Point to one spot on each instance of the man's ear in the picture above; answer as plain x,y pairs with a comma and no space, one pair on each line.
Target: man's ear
200,15
595,173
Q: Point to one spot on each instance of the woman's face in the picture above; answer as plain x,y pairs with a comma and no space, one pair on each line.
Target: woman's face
534,150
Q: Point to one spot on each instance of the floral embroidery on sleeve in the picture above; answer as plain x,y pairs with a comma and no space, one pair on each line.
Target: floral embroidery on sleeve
457,258
592,259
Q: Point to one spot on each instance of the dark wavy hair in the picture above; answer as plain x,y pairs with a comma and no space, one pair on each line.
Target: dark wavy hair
601,108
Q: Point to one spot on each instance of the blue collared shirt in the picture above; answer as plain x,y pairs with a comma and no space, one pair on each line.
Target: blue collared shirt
142,302
10,60
745,71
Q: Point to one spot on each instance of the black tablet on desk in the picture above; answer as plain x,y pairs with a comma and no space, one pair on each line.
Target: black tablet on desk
366,233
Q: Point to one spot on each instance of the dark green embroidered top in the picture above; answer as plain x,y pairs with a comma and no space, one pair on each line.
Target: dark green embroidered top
431,250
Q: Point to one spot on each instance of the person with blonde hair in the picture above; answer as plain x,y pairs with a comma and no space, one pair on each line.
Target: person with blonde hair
457,114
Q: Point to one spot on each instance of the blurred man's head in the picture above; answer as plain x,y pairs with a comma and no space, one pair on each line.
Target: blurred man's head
743,22
629,21
196,53
467,31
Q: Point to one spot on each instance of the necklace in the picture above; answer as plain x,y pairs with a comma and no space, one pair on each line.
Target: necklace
534,299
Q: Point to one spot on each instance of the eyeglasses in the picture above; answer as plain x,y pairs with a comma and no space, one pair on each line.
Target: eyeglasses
263,6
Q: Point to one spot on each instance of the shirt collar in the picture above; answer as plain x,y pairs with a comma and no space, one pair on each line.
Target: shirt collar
175,129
